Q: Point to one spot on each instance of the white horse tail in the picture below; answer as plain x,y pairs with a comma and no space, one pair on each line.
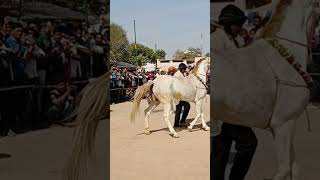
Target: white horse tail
138,96
94,101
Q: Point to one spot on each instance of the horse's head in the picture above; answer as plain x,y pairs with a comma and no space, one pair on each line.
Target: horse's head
202,67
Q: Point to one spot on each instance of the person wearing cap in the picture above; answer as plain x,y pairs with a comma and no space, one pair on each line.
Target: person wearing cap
231,20
172,70
181,120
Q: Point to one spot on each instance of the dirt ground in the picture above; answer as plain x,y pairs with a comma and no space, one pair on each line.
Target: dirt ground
158,156
41,155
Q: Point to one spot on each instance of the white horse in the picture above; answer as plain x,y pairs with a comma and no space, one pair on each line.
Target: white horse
257,87
169,89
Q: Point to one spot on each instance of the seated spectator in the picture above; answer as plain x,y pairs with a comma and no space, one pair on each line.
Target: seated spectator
62,102
129,94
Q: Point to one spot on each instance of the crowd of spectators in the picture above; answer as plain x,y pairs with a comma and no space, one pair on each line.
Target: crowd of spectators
252,29
57,55
124,81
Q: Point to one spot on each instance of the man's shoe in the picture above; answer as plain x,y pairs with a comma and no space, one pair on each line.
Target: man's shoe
183,124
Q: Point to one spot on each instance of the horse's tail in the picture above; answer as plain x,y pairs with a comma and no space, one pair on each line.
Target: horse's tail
138,96
93,103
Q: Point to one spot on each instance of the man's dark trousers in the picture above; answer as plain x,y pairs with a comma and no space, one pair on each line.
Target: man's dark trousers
246,143
186,108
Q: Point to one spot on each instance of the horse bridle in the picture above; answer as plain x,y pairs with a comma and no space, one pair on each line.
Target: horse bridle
204,75
204,84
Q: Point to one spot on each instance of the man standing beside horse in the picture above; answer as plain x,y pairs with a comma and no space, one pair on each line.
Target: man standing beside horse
231,21
181,120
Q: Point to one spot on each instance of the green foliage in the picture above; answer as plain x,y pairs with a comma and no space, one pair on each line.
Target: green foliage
121,50
208,54
179,54
140,54
93,6
118,44
191,53
160,54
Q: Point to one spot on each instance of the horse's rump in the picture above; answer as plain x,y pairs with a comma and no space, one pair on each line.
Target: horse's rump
245,84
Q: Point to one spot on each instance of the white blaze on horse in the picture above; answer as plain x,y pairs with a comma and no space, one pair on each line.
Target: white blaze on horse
257,87
168,90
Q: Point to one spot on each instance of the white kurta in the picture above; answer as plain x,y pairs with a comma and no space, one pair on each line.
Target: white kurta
220,41
178,74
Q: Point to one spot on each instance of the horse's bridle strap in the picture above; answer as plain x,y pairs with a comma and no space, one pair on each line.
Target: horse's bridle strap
201,81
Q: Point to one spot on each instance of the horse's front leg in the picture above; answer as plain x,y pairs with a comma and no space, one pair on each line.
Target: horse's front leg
166,113
199,115
200,109
287,165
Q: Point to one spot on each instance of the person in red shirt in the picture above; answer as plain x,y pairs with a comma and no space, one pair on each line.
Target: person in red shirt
151,76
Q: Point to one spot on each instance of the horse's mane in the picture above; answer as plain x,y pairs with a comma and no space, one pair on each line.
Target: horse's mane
196,67
277,19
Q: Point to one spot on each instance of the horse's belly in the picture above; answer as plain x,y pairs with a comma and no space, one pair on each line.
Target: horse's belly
168,88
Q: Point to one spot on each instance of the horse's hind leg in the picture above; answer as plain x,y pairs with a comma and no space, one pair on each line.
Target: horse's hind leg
147,112
283,135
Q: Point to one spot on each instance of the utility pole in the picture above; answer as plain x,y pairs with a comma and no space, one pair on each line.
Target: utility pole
155,52
135,35
135,40
201,45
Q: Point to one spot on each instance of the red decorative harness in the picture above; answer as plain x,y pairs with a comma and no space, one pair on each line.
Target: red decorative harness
290,59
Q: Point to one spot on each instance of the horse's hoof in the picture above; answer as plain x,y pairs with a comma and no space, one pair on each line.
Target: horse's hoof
190,128
206,128
175,136
147,132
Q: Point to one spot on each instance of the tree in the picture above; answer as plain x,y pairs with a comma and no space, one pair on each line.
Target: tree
179,54
160,54
140,54
93,6
191,53
208,54
118,43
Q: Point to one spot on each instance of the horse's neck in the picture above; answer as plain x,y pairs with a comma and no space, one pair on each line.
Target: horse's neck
292,29
201,73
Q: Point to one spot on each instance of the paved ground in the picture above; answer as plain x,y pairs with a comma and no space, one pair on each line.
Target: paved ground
158,156
41,155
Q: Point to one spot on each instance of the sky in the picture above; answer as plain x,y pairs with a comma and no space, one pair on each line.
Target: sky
171,24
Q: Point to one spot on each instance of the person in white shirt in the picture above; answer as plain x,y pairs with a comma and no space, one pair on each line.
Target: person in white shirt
180,120
231,19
